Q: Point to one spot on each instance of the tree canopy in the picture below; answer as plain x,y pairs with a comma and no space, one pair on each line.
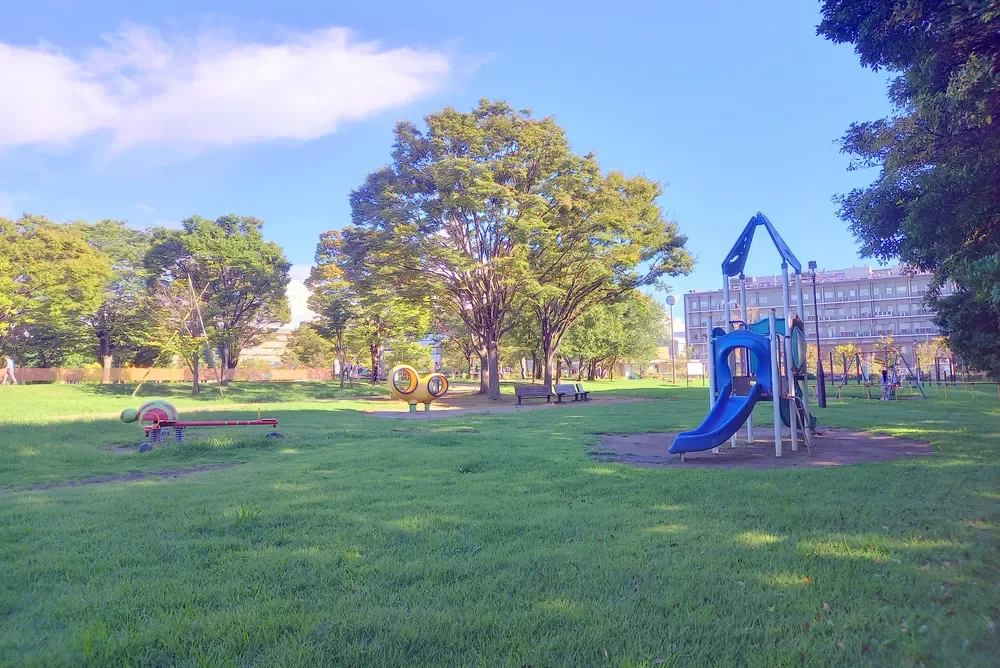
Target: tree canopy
935,204
490,212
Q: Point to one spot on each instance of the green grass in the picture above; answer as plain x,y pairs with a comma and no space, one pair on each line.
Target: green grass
489,540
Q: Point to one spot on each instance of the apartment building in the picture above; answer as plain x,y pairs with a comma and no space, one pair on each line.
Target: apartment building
857,305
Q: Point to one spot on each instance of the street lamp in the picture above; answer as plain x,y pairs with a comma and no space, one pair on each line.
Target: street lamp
671,300
820,381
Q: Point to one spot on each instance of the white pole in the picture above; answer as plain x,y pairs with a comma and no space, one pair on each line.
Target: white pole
784,296
775,381
711,366
807,427
792,409
745,314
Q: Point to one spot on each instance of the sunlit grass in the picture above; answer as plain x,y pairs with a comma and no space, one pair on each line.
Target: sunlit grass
487,539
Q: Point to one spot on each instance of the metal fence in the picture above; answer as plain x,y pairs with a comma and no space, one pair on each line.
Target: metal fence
135,375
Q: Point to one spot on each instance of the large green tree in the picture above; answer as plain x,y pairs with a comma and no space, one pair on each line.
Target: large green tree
490,211
239,276
51,281
602,236
121,325
621,331
936,202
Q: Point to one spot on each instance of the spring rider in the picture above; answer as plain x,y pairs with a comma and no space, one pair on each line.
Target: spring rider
407,385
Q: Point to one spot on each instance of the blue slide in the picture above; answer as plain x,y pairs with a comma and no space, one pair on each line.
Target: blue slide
730,411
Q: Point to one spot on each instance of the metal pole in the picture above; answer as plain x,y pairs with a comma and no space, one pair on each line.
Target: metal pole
807,427
745,314
820,381
725,303
792,408
775,381
673,355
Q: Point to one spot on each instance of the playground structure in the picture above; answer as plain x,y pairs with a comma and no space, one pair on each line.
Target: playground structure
158,417
893,358
406,385
770,356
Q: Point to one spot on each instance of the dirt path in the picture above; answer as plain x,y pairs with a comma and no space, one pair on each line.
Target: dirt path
132,477
470,404
836,447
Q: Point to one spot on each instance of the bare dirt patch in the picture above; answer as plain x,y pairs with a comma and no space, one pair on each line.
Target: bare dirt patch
835,447
468,404
134,476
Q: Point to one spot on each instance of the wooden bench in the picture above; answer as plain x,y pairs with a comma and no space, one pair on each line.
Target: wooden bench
567,390
584,394
532,392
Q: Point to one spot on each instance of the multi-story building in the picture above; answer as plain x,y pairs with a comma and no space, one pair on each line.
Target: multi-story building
858,305
271,349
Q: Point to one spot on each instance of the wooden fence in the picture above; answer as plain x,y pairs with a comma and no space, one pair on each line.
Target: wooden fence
135,375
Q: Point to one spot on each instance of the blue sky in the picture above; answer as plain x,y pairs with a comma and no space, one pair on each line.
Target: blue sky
154,111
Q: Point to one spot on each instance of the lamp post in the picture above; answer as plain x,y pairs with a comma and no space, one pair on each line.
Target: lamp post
820,381
671,300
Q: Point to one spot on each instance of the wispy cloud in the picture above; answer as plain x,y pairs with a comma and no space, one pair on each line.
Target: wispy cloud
145,208
298,301
206,89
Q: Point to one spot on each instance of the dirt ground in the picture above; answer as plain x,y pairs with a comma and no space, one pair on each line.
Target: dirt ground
132,477
835,447
467,403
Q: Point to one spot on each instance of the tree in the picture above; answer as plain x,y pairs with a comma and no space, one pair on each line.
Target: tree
120,325
622,331
409,352
50,281
936,202
241,276
307,349
332,297
454,212
601,237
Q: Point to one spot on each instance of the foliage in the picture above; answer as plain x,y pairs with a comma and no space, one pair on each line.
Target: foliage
307,349
50,281
121,326
622,331
936,202
241,277
490,211
409,352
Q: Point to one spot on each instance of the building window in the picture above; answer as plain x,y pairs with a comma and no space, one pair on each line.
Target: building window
864,292
888,289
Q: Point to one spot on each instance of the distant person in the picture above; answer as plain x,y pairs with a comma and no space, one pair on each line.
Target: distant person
8,370
885,385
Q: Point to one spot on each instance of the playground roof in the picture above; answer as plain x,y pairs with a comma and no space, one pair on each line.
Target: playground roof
737,258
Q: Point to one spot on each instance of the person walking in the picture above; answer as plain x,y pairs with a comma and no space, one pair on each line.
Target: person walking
8,370
885,385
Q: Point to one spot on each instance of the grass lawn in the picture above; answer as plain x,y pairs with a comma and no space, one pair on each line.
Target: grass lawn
487,539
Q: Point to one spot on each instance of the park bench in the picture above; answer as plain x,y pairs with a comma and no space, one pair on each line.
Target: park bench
584,394
566,390
532,392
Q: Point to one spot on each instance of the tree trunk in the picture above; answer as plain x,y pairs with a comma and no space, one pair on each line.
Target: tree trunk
224,355
534,366
493,360
196,370
374,350
550,356
484,381
524,368
106,368
579,371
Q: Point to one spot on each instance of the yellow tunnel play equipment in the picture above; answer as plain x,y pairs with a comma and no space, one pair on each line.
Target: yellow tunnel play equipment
407,385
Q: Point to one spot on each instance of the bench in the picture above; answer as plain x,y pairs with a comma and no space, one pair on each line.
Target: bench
532,392
566,390
584,394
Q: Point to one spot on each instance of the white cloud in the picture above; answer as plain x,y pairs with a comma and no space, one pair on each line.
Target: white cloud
207,89
298,297
300,272
145,208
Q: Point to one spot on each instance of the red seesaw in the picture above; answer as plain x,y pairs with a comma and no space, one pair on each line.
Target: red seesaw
156,416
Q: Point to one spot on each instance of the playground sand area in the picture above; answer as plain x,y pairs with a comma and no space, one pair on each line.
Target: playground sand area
835,447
